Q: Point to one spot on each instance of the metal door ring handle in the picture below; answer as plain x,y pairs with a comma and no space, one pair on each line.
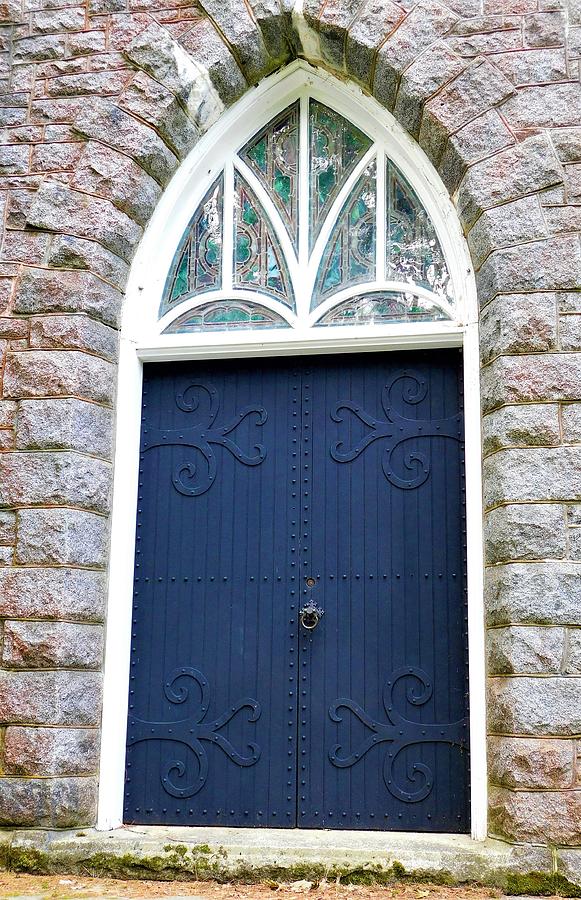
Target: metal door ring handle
310,616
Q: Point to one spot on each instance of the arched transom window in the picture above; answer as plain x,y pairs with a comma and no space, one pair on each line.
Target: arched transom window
307,224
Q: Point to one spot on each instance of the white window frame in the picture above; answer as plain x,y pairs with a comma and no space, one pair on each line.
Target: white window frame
141,342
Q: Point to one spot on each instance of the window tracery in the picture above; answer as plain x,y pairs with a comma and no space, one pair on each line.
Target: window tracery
325,230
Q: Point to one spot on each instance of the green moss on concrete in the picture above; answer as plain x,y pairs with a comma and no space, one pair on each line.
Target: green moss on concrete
540,884
178,862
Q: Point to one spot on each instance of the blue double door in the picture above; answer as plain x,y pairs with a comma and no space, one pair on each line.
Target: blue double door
299,640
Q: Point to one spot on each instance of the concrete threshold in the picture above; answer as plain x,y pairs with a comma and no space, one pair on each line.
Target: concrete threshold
258,854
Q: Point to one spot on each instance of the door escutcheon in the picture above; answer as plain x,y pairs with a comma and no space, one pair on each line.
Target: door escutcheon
310,616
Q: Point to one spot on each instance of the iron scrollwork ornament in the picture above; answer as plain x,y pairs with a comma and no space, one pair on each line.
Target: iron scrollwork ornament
192,731
187,479
399,733
396,429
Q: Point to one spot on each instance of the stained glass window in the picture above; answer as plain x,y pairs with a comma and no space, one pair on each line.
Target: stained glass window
273,156
380,308
198,262
336,146
414,253
313,219
349,256
225,315
259,260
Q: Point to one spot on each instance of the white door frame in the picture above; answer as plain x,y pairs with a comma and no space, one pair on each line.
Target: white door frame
141,342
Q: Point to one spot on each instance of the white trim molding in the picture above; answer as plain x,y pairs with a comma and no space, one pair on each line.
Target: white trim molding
141,342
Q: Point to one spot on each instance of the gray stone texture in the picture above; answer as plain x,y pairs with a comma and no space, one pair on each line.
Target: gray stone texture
65,478
477,89
548,265
103,121
518,323
571,418
540,593
531,378
45,291
365,32
572,664
513,173
52,593
59,373
61,536
218,80
537,817
65,424
50,751
156,105
525,531
569,865
74,332
525,650
425,24
506,225
549,706
240,29
56,207
533,763
535,474
113,175
434,68
50,698
527,425
54,645
48,802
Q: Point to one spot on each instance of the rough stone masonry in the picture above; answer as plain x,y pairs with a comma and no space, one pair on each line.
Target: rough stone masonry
101,101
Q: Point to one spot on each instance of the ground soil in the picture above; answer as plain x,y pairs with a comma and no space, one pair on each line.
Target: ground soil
62,887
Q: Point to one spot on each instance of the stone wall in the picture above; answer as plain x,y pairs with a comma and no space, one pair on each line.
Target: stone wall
102,100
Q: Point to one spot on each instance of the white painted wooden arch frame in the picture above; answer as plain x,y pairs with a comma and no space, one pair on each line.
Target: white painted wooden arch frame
141,342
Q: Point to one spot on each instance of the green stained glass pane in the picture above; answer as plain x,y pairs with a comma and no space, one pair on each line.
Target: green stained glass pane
197,265
273,156
383,308
249,214
413,252
180,285
259,259
349,257
336,146
283,187
257,154
222,315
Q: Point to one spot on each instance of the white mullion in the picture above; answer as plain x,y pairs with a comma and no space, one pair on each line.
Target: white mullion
228,261
332,216
302,294
380,210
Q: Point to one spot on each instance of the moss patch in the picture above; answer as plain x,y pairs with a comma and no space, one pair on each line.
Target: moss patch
178,862
541,884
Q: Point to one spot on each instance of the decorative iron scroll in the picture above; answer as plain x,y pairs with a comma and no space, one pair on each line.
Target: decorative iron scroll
400,733
192,731
201,437
396,429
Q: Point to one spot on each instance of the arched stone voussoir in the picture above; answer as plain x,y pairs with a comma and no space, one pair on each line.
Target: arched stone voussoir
155,104
245,38
203,76
480,87
425,25
59,208
274,18
515,172
104,121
